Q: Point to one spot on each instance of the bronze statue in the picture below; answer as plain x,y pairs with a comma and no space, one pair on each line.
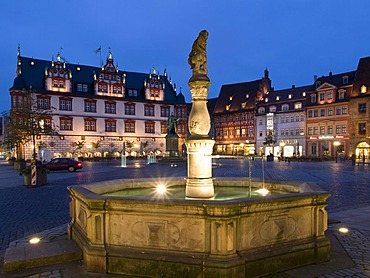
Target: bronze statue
197,57
172,124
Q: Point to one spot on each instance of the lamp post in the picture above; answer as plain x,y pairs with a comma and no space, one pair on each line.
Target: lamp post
336,144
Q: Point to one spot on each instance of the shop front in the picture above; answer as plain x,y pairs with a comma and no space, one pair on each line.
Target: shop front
327,146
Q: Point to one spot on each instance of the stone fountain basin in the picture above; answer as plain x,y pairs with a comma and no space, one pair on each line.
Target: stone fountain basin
244,237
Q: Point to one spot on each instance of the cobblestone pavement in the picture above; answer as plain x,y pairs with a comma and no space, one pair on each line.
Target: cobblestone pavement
27,211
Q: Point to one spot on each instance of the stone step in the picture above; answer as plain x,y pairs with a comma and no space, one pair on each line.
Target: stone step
41,254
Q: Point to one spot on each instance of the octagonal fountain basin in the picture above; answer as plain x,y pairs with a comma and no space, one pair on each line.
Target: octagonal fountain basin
123,227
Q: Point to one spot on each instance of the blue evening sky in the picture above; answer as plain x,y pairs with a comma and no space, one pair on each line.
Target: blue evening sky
294,39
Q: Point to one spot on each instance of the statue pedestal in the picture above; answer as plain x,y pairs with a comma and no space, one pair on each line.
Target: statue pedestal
199,183
172,155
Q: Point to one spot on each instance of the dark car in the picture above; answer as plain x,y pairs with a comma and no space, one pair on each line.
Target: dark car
63,164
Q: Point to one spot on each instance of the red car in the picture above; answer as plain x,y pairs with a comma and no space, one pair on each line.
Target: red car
63,164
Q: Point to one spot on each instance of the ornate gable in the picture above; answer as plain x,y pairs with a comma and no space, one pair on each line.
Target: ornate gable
108,82
58,78
154,86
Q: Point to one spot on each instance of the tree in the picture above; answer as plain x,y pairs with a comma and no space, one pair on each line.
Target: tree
27,121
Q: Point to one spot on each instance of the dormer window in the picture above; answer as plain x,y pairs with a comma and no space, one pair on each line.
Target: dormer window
277,98
285,107
227,107
313,98
298,105
289,96
247,96
341,94
272,108
363,89
243,104
266,100
230,98
304,94
345,80
261,110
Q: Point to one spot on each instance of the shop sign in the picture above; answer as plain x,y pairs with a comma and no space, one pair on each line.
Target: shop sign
326,137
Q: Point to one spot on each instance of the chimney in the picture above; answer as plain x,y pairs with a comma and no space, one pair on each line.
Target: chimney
266,73
330,73
293,86
314,78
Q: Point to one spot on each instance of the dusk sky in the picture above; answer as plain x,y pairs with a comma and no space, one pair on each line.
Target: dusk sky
293,39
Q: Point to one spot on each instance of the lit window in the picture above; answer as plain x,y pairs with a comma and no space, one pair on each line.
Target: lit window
329,95
298,105
363,89
289,96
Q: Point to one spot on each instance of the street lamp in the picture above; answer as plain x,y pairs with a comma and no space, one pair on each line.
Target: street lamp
336,144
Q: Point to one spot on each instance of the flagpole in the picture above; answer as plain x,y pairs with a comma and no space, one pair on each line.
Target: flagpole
100,56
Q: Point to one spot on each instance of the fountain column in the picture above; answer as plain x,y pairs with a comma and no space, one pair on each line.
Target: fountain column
199,183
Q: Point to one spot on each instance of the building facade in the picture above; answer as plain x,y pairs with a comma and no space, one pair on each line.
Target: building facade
328,114
359,127
234,116
280,119
99,111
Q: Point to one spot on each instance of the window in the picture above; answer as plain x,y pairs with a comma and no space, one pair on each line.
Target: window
344,129
344,110
302,118
287,119
90,124
90,106
149,127
130,126
55,83
315,113
298,105
301,132
149,111
84,88
285,107
310,131
132,93
322,112
261,110
330,111
282,119
164,127
322,96
281,131
65,104
66,124
129,108
329,95
297,131
338,110
110,125
322,130
362,128
313,98
338,129
363,89
79,87
272,108
287,132
292,119
110,107
260,122
180,112
345,80
362,107
341,94
43,102
291,131
297,118
310,113
315,130
330,129
165,111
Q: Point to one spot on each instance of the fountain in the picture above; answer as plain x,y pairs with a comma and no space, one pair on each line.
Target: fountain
198,234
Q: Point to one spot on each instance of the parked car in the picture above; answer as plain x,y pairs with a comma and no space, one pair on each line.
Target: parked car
63,164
